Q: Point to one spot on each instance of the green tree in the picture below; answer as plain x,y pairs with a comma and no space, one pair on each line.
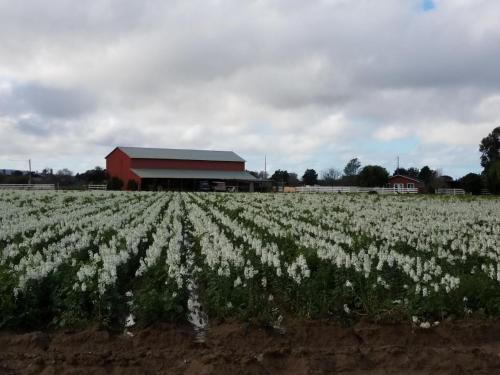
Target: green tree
310,177
426,175
352,167
293,179
96,175
372,176
115,183
490,148
410,172
64,177
471,183
132,185
493,177
280,177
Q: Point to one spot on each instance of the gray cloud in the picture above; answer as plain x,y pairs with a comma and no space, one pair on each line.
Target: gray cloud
300,80
45,101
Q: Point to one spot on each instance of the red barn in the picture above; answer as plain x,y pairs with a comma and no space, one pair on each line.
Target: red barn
165,168
404,182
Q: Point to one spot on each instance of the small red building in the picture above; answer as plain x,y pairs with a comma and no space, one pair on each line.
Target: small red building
164,168
400,182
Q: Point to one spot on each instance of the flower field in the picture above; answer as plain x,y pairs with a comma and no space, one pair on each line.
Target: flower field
120,259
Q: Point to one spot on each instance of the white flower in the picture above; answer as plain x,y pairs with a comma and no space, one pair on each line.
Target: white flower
237,282
425,325
130,322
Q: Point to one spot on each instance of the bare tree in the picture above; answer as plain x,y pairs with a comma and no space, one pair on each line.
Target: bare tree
331,175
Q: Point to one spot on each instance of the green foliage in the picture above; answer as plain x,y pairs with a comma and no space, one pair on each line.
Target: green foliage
490,148
310,177
372,176
493,177
280,177
352,167
115,183
471,183
132,185
410,172
426,175
330,290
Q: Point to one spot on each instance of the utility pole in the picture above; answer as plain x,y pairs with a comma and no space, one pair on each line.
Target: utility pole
398,162
29,176
265,167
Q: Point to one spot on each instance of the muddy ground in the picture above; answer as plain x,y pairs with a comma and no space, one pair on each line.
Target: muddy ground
465,347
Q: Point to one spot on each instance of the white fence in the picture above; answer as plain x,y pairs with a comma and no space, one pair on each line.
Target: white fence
97,187
27,187
450,191
354,189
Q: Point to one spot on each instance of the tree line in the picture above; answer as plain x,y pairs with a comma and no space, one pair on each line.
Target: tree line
377,176
63,177
352,174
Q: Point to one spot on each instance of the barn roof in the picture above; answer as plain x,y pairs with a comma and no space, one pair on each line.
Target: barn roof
179,154
194,174
407,177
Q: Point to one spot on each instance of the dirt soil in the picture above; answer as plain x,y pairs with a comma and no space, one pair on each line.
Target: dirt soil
465,347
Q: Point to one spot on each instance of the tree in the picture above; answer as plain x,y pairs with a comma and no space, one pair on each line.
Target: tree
254,173
64,172
352,167
372,176
413,172
280,177
490,148
96,175
293,179
493,177
47,171
261,175
471,183
132,185
426,175
410,172
115,183
331,175
310,177
64,177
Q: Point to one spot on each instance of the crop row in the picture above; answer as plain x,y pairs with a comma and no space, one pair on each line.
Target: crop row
119,258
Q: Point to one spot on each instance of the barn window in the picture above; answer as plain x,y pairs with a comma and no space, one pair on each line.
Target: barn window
410,185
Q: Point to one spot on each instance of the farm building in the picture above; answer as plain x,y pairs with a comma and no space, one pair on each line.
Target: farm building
401,182
176,169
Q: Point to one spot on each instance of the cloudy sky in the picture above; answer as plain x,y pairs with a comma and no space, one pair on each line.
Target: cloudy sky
309,83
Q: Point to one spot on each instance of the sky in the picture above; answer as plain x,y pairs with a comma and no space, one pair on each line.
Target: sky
309,84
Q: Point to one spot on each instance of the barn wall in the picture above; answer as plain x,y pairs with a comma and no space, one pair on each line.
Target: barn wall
188,164
118,165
